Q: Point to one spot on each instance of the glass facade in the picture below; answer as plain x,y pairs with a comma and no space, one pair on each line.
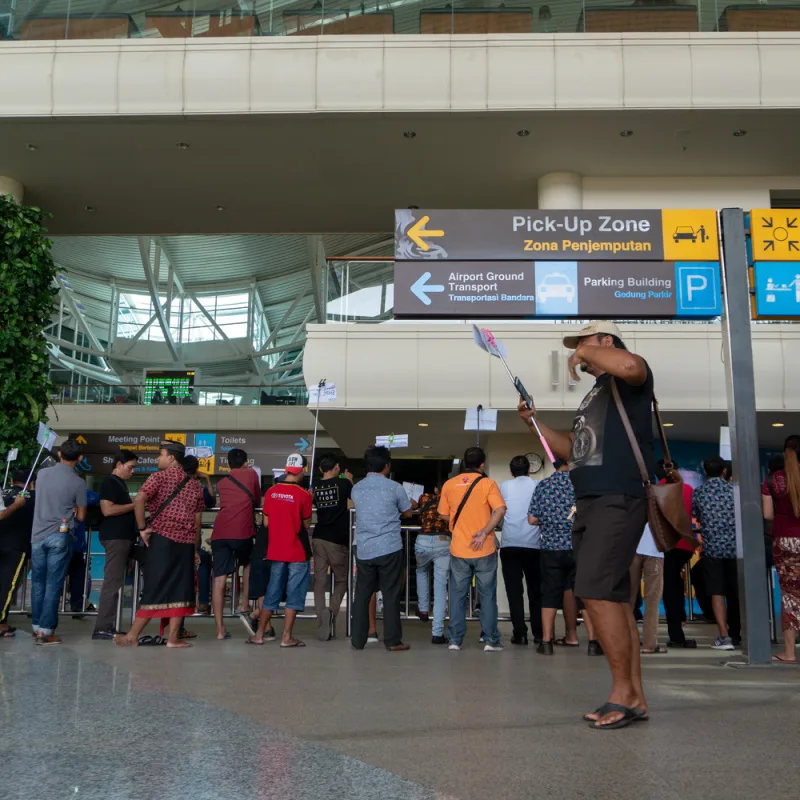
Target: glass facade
87,19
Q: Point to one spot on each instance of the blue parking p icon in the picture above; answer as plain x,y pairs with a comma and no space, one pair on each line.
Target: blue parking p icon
698,289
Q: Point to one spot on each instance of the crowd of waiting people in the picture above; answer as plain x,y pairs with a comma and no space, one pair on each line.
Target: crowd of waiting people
576,541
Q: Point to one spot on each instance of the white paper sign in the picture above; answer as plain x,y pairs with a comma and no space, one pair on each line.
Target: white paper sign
485,339
488,420
725,443
45,437
413,490
12,454
392,441
328,394
200,452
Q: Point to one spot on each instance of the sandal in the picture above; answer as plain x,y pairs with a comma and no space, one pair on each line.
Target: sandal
562,642
151,641
779,659
187,635
295,643
658,651
8,633
641,714
629,715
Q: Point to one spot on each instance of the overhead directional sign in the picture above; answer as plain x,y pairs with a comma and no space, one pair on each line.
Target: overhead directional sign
508,235
619,290
775,234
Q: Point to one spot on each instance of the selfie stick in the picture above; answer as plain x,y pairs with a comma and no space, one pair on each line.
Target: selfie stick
320,387
532,418
30,474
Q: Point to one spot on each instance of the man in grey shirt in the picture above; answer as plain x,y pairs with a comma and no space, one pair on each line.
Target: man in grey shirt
60,501
380,504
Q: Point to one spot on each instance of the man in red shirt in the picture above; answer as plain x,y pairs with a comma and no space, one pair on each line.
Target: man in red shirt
232,540
287,512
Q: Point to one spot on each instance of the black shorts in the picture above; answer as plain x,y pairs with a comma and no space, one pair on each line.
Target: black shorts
722,576
259,578
558,576
605,535
229,554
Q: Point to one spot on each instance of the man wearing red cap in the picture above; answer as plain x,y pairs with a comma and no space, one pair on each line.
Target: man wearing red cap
287,513
611,507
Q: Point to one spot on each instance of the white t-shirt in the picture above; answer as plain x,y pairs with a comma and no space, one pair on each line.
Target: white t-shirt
516,531
647,545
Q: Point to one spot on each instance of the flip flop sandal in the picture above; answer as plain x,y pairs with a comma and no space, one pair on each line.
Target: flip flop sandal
8,633
187,635
149,641
562,642
257,644
629,715
779,659
297,643
226,636
641,714
658,651
602,711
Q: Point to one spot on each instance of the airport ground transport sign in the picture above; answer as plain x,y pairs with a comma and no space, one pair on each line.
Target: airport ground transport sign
513,235
775,234
560,289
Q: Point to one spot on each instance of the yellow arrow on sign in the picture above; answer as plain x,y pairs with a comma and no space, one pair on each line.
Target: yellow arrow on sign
417,233
80,439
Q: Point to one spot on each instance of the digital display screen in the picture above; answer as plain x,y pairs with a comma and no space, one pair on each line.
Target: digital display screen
167,386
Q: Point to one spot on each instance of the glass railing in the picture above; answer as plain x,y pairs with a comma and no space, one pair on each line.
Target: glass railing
94,19
101,393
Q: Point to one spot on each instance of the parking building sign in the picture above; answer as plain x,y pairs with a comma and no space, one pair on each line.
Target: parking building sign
557,289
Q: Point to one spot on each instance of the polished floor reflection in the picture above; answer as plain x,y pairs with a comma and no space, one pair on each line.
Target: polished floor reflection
222,720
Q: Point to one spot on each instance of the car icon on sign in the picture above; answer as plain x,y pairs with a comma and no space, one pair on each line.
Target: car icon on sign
684,232
556,285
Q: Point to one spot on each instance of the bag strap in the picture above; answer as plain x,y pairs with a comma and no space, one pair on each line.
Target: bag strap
465,498
244,489
174,494
626,423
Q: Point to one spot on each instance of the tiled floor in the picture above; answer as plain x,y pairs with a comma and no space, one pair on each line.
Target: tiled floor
87,720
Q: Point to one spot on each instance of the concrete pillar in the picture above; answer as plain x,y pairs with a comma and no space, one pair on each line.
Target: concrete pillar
561,190
12,187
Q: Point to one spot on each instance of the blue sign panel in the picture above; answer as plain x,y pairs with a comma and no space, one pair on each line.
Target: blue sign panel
777,288
698,289
206,440
556,288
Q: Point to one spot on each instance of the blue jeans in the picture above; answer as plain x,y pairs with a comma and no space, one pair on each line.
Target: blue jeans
461,572
292,577
49,561
427,549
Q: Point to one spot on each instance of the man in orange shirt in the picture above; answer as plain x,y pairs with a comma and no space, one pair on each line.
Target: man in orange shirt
473,506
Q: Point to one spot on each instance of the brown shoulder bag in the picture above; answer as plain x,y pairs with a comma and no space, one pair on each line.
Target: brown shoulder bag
666,512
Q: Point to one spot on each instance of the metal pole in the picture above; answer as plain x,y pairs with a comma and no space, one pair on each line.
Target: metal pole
350,580
688,583
30,474
741,393
773,617
408,568
135,599
478,442
320,386
5,477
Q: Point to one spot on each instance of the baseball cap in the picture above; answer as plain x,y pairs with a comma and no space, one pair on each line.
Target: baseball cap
295,464
592,329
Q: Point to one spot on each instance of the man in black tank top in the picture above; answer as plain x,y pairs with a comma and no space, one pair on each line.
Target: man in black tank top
611,508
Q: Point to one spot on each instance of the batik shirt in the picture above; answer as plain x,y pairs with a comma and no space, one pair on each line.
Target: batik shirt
712,506
552,504
176,521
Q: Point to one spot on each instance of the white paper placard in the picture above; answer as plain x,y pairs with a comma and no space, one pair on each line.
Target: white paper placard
488,421
413,490
725,443
200,452
485,339
45,437
328,394
12,454
392,441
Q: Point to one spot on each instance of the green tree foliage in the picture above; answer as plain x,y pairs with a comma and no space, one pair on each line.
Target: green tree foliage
26,305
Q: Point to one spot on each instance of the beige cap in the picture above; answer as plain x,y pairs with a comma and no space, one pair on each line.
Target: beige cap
592,329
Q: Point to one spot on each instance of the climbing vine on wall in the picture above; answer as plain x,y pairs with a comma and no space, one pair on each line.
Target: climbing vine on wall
26,305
